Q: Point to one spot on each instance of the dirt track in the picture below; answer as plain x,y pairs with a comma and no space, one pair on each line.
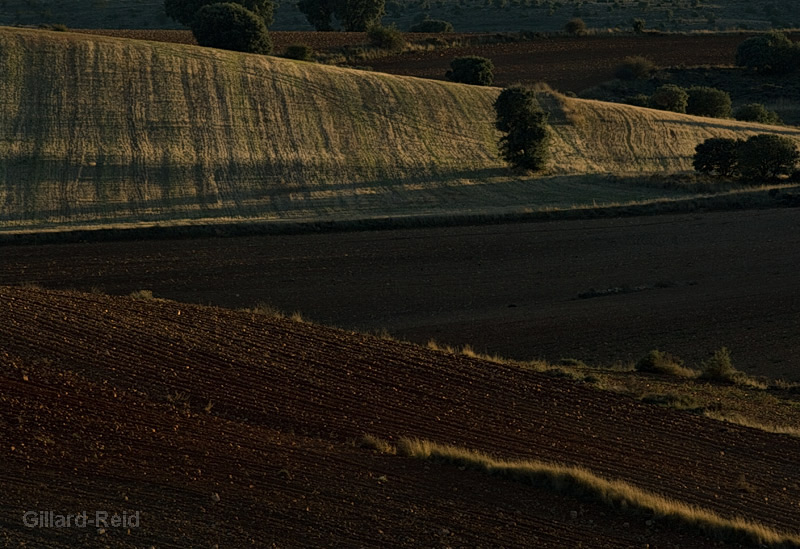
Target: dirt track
86,420
706,281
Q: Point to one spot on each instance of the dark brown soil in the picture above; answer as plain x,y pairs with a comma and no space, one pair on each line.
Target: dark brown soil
687,284
565,63
257,450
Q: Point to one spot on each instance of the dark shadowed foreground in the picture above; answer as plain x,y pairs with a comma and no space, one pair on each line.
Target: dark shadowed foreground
223,427
599,291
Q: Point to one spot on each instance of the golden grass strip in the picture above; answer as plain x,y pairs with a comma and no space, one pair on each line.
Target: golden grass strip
738,419
582,483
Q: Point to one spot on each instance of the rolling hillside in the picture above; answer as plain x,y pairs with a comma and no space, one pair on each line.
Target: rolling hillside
101,131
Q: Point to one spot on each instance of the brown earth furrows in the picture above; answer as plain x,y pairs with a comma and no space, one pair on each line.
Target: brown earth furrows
273,487
334,385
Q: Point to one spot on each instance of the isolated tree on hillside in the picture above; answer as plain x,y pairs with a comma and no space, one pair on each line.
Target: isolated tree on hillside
717,155
772,52
231,27
353,15
183,11
520,116
471,69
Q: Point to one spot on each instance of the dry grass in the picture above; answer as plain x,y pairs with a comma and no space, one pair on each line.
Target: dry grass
739,419
265,309
115,132
580,482
374,443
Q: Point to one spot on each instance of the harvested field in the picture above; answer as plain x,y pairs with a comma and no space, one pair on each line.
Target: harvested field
180,135
230,428
687,284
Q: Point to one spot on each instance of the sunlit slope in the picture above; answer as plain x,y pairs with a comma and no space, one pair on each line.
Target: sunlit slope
599,137
101,131
94,128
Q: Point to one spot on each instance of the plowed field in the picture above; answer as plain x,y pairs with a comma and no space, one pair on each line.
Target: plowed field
566,63
687,284
226,427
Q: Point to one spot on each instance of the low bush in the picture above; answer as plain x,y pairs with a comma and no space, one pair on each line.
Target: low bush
658,362
719,367
635,67
576,27
756,112
669,97
471,70
387,38
301,52
706,101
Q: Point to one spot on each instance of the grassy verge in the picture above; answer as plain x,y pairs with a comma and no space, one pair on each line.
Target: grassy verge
582,483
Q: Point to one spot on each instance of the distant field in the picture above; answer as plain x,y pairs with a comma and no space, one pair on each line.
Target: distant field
566,63
127,132
466,15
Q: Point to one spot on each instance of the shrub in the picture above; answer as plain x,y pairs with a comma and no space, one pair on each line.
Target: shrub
231,27
471,70
183,11
388,38
669,97
638,25
658,362
519,115
767,156
432,25
635,67
772,52
756,112
301,52
717,155
711,102
576,27
719,367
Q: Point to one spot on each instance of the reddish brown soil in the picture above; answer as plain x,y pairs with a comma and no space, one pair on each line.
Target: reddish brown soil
86,424
566,63
709,280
